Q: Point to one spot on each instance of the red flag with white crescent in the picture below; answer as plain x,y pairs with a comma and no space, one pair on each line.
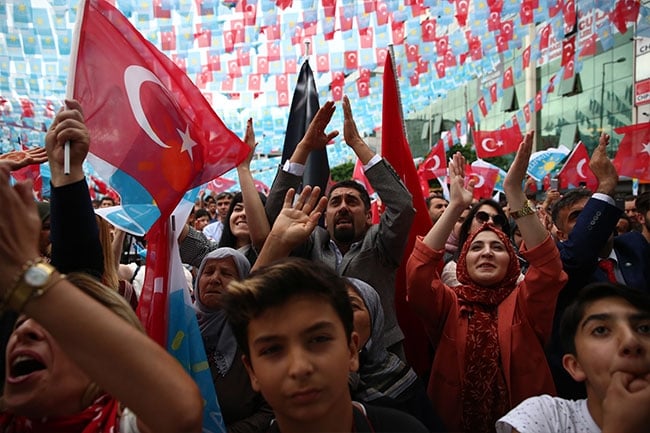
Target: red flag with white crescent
145,116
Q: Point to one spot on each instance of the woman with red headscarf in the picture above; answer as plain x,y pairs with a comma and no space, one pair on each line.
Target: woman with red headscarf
489,332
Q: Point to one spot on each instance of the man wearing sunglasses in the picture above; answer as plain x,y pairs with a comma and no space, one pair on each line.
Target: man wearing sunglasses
585,227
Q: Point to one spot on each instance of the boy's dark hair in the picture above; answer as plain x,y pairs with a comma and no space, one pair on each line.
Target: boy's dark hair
568,199
642,203
201,213
354,185
224,194
593,292
274,285
209,199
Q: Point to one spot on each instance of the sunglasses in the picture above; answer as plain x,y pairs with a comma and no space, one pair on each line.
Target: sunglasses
498,220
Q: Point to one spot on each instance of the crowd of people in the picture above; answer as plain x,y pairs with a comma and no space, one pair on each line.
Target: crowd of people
537,313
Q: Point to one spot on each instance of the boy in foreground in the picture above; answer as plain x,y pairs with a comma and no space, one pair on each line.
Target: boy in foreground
606,335
294,323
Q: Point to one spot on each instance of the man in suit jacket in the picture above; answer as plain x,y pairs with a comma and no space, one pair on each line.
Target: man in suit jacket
586,224
350,244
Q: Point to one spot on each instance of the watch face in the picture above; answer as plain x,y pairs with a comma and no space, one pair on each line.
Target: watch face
36,275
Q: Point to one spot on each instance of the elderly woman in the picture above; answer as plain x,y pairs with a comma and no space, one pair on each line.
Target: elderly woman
77,372
243,409
490,331
383,379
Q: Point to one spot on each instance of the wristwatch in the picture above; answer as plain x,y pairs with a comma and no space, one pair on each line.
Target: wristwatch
526,209
35,280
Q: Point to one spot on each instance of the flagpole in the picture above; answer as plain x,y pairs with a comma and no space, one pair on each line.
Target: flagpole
69,91
309,113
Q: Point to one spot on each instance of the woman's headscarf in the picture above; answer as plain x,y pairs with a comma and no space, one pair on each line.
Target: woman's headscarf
484,393
381,373
217,335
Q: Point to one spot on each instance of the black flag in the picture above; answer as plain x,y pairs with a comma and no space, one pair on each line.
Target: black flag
303,109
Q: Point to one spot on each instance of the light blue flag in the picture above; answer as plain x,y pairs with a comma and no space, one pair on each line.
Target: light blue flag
544,162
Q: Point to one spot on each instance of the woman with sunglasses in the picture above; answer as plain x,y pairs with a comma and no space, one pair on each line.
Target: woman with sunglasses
490,331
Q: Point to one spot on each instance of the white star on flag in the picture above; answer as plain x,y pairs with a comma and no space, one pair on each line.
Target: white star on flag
188,143
646,148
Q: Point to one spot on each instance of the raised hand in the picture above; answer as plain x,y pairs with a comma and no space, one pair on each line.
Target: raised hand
22,158
602,167
18,214
458,191
249,139
68,126
517,171
352,136
293,225
298,219
316,138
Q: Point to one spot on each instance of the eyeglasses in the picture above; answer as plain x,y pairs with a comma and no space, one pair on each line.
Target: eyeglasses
483,217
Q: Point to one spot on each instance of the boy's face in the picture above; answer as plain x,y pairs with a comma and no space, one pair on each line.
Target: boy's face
300,359
613,336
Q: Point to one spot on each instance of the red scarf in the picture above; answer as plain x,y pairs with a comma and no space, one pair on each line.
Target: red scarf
484,393
99,417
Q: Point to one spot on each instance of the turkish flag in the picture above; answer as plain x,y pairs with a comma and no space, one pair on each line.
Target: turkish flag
633,156
576,170
435,164
508,80
442,44
470,118
525,57
568,50
482,106
485,176
496,143
428,27
148,123
360,176
220,184
396,150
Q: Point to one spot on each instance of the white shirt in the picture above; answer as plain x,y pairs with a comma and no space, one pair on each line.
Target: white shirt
213,231
546,414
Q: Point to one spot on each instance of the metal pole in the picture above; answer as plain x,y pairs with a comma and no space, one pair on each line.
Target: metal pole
602,89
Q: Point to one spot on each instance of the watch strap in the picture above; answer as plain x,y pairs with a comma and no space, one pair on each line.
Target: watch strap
22,292
525,210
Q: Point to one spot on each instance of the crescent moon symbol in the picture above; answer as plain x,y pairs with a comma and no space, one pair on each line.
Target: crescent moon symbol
485,142
480,182
134,76
436,159
579,167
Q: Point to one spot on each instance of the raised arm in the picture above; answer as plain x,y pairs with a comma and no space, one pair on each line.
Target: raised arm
120,359
258,223
532,230
352,136
315,138
460,196
75,235
293,226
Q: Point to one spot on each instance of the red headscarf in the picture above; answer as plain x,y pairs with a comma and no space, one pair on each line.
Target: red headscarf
99,417
484,393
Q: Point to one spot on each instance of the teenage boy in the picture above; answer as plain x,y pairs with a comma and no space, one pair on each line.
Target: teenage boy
294,323
606,333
